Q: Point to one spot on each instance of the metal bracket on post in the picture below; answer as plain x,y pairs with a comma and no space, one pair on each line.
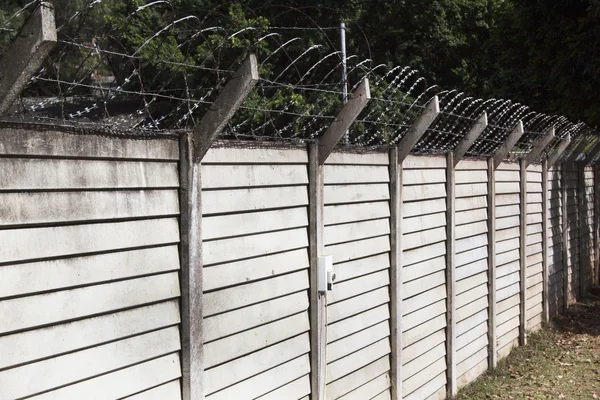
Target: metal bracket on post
222,110
26,54
508,144
466,142
357,101
560,149
539,147
418,128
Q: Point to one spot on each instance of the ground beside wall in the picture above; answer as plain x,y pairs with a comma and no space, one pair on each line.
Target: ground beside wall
561,362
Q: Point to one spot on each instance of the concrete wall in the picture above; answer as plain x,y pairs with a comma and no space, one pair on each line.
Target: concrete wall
534,250
357,236
508,295
255,274
90,268
423,288
472,295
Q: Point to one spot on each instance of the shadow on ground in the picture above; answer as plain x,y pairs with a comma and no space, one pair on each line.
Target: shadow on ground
583,317
562,361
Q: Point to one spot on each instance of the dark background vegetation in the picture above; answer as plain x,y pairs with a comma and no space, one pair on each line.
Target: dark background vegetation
540,53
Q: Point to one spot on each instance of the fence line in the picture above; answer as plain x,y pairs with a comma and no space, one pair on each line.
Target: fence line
441,269
443,264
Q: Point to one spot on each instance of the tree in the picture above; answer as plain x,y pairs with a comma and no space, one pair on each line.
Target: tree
541,53
545,54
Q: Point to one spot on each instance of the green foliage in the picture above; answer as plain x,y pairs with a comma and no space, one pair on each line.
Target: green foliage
546,55
10,21
543,54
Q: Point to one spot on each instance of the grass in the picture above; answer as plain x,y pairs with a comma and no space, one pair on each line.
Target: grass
562,361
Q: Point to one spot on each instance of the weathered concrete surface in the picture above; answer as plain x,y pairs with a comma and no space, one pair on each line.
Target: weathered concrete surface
540,146
418,128
465,144
508,144
222,110
25,54
560,149
357,102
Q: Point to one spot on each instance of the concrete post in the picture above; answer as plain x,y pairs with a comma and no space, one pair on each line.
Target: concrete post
190,250
466,142
224,107
356,103
560,149
523,254
508,144
565,236
26,54
493,345
577,151
193,147
540,146
545,272
592,154
396,272
582,225
418,128
318,301
452,378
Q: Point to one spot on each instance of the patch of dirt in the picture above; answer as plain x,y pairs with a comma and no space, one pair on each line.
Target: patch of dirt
562,361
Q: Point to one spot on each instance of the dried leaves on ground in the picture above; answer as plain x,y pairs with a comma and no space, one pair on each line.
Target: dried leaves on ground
562,361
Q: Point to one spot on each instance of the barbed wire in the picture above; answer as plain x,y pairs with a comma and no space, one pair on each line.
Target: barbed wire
304,28
161,72
96,49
